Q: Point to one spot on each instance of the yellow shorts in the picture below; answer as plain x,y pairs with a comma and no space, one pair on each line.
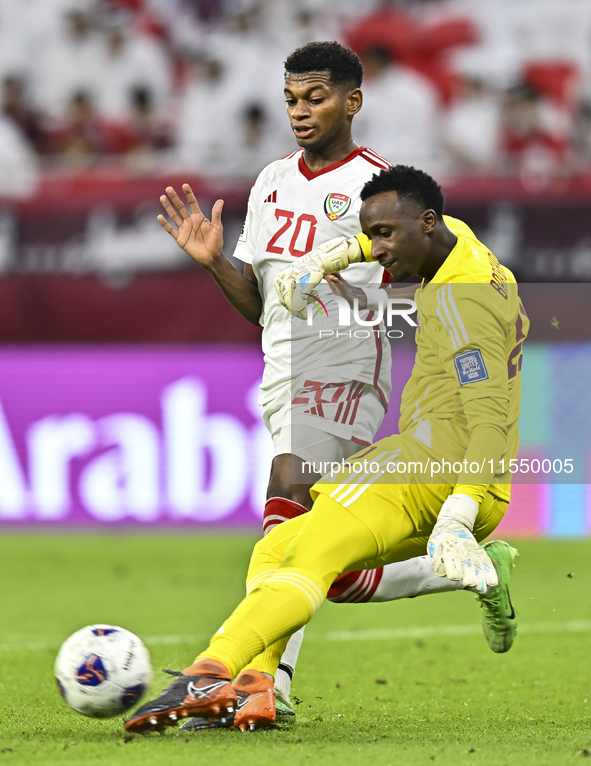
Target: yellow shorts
399,511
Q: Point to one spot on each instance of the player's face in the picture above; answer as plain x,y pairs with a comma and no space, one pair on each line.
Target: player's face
319,111
399,233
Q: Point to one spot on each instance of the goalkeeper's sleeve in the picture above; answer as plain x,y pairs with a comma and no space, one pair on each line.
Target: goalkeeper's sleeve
365,246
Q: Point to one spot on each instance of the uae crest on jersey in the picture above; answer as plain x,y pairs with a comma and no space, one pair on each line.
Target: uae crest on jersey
336,205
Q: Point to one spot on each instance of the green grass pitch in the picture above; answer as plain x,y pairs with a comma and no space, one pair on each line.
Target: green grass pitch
411,682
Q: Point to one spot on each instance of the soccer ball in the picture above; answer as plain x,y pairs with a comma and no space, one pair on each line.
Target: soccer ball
102,670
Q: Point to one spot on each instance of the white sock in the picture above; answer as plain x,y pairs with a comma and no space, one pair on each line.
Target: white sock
286,668
415,577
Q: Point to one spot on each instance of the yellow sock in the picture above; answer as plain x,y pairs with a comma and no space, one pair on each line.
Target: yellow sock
268,661
290,574
273,610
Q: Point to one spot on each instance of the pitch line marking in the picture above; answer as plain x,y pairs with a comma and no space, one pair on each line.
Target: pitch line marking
441,631
377,634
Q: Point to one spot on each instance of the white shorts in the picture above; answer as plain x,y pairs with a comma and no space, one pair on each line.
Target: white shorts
324,421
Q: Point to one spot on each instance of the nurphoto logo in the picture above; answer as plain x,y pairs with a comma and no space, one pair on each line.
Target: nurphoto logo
389,308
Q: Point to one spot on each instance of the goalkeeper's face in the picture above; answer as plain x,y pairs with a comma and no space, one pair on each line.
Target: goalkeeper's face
401,234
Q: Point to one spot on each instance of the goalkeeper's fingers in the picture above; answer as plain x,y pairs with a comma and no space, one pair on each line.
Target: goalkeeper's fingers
490,573
438,559
478,572
473,576
453,564
300,299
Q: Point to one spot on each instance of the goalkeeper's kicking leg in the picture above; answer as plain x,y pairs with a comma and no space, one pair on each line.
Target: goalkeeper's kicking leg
332,538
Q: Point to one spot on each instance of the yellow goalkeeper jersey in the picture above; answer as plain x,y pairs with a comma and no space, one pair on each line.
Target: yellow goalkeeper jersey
463,397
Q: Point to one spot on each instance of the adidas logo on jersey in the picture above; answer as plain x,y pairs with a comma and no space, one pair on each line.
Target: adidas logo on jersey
272,197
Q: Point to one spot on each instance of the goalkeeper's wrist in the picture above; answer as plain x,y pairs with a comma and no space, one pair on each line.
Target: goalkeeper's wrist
461,508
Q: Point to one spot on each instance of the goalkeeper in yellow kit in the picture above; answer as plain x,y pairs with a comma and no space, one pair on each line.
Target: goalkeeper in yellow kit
439,486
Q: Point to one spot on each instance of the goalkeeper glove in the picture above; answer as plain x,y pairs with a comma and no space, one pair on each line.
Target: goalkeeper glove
453,549
296,282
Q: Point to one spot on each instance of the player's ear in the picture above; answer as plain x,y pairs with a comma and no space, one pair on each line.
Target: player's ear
354,101
429,218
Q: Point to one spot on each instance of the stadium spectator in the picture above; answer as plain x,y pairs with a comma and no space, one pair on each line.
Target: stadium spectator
144,134
69,65
421,46
256,144
471,128
15,107
494,53
13,57
400,114
243,44
205,121
294,25
128,61
555,30
79,139
51,50
18,165
536,135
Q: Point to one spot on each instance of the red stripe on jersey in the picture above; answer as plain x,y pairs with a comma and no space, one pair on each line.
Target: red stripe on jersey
386,277
360,441
378,156
310,175
293,154
339,410
375,162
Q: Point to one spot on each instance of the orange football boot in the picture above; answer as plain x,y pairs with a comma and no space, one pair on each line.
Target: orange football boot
255,708
203,689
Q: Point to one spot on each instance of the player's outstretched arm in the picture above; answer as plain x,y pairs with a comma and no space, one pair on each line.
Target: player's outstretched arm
298,279
203,240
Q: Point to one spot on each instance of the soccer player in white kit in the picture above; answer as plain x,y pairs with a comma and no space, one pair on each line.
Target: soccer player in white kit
318,406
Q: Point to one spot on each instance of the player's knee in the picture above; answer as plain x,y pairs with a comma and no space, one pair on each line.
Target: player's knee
294,492
290,480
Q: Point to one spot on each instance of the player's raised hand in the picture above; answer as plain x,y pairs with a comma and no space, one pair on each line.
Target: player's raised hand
200,238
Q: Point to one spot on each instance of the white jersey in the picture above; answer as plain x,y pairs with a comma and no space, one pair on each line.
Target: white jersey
292,210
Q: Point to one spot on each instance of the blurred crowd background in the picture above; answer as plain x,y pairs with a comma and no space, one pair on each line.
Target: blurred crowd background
455,86
103,103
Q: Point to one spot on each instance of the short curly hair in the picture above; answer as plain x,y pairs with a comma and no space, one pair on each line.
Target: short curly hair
343,64
408,182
